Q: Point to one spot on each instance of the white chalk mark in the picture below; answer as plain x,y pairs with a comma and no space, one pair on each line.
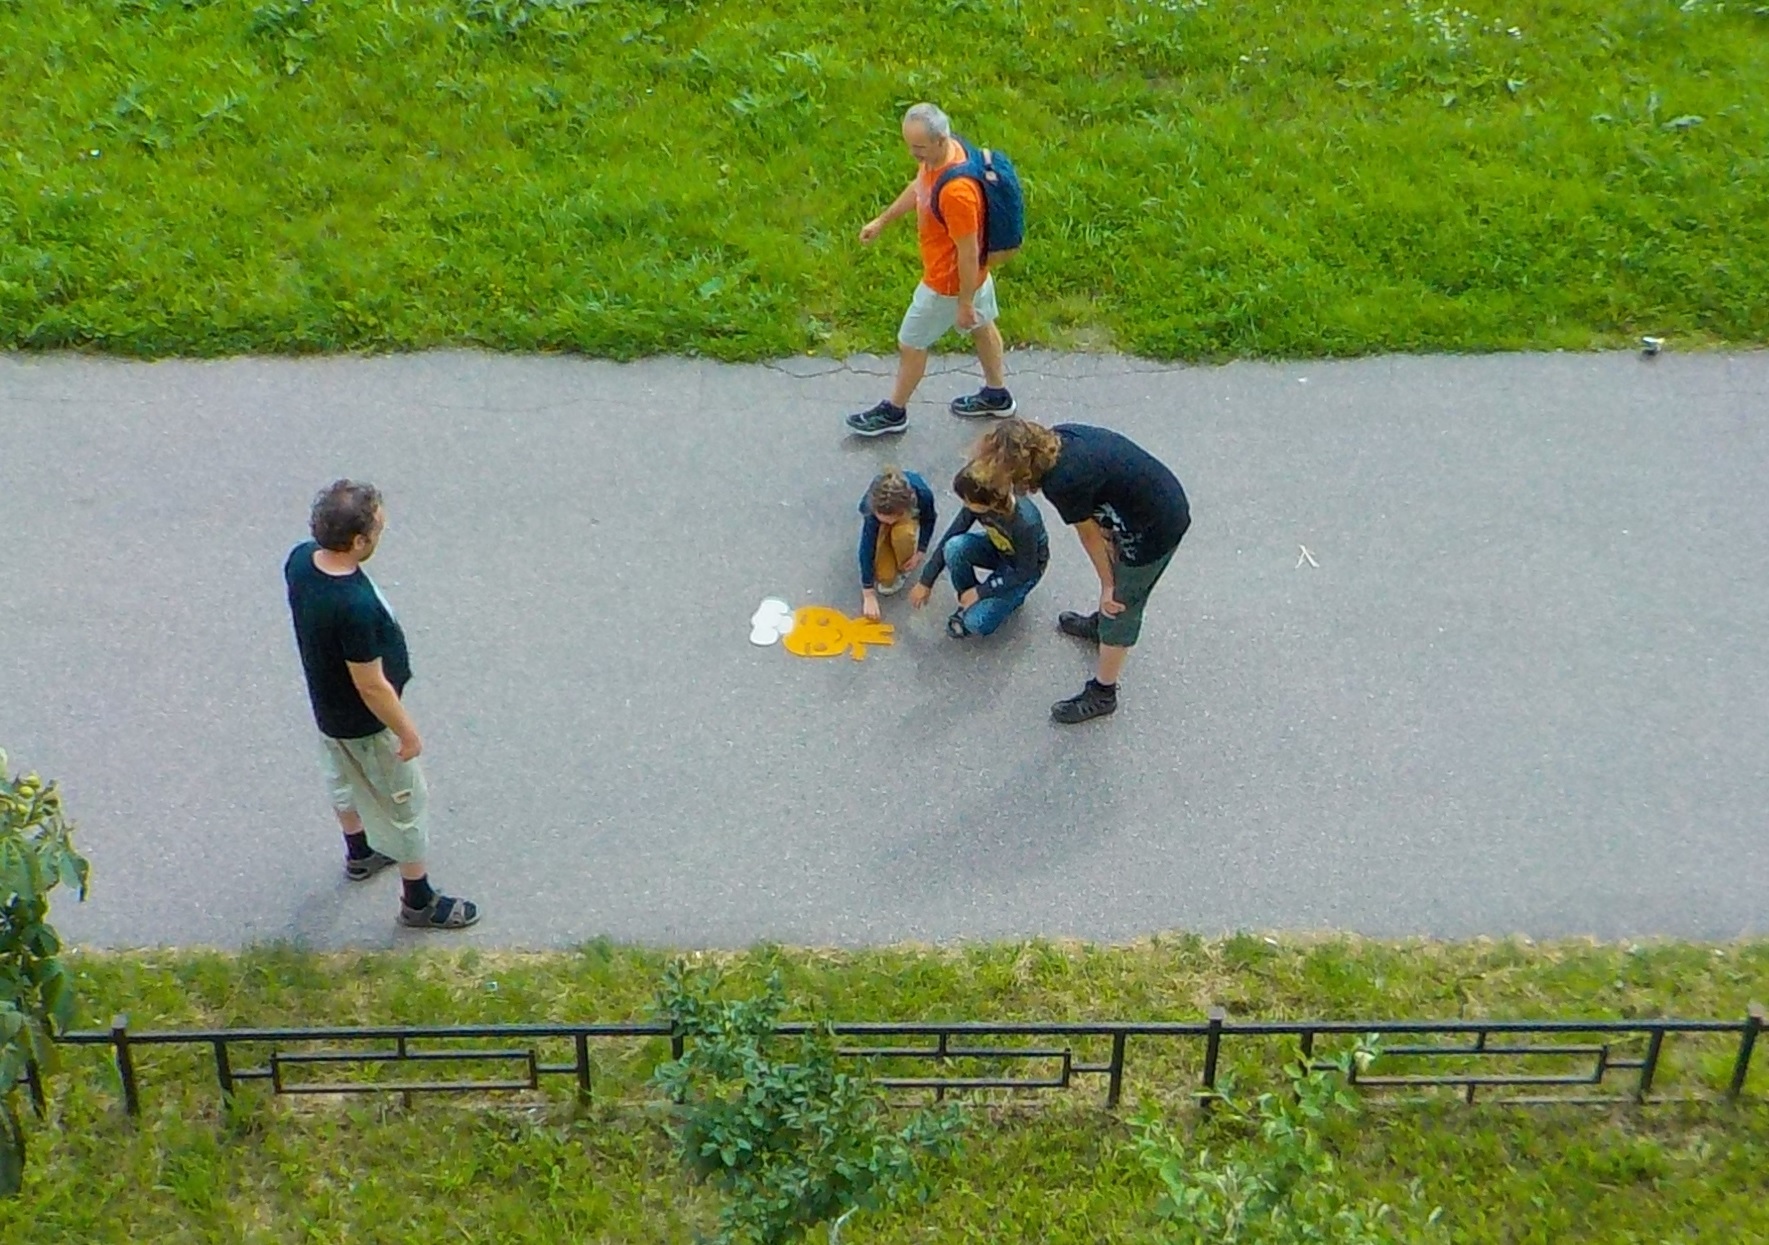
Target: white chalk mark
771,621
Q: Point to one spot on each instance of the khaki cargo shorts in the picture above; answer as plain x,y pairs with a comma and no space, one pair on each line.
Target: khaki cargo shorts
930,315
367,777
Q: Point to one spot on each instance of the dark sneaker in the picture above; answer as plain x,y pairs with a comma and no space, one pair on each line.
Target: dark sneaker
1081,626
365,868
981,403
955,626
442,912
1093,702
880,421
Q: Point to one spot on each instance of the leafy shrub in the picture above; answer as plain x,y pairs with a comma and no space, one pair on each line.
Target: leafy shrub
776,1126
1270,1178
36,997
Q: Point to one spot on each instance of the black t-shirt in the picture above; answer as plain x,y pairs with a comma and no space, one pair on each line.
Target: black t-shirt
338,619
1109,478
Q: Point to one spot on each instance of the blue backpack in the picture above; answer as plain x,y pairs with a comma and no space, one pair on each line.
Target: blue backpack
1004,207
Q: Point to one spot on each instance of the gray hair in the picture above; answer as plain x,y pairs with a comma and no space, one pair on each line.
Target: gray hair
932,118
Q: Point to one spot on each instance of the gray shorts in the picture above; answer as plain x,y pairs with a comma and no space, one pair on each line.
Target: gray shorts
931,314
366,777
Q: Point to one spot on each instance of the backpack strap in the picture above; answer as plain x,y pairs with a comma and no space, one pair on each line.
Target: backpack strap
968,167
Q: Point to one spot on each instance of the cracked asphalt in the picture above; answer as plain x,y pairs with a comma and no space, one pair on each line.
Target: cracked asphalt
1523,690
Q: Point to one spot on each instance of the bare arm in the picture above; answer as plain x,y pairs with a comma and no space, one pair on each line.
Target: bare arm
378,694
902,205
1093,539
970,274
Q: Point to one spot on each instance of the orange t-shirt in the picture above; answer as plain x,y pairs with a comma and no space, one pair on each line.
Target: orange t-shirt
961,202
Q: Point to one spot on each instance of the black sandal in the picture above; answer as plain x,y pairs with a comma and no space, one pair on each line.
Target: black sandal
363,868
442,912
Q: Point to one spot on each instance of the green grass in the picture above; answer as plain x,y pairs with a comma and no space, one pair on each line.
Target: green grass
536,1169
622,177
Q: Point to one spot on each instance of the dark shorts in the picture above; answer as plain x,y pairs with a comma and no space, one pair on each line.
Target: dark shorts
1131,585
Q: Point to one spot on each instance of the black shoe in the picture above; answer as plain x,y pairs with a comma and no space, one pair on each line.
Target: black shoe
955,626
880,421
979,403
1081,626
1094,701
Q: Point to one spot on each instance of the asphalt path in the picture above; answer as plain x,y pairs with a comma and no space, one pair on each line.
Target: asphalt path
1521,687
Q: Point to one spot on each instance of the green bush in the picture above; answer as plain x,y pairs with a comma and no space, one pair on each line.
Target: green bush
1263,1173
787,1137
36,995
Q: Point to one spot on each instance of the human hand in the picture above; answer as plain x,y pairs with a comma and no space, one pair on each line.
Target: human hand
409,746
918,596
967,316
914,562
1109,605
871,229
869,605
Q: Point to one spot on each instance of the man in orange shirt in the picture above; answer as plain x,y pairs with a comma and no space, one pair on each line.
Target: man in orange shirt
956,290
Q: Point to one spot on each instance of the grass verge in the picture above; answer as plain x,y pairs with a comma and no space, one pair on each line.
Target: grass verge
539,1169
625,177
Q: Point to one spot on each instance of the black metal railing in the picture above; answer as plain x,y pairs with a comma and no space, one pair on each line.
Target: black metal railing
972,1056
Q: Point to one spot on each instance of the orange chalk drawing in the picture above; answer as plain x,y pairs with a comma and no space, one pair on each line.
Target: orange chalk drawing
818,631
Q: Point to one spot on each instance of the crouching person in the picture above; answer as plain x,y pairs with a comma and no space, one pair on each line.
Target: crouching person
993,569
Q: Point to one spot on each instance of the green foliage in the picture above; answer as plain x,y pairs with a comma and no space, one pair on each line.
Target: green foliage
541,1169
1274,1179
626,177
36,994
789,1138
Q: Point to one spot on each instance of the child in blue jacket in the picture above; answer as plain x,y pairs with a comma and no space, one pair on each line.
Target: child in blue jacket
1011,552
898,523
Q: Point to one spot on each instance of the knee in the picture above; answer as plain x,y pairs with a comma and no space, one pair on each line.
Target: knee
955,549
984,618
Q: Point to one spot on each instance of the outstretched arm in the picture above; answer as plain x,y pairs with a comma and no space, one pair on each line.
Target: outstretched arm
935,566
867,552
902,205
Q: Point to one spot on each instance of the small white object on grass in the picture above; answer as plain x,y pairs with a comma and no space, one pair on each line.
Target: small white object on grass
771,621
1650,346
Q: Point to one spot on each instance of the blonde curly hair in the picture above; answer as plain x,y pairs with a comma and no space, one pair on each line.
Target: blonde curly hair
1022,451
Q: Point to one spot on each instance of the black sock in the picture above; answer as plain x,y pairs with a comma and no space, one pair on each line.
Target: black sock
894,409
356,846
995,393
417,892
1110,689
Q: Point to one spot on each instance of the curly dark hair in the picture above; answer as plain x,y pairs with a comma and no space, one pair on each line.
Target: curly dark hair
344,510
984,484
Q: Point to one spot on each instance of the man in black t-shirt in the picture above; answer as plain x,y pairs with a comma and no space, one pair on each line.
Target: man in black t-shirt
353,654
1130,513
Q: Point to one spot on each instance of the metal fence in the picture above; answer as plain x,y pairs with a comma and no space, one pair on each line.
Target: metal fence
1509,1061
